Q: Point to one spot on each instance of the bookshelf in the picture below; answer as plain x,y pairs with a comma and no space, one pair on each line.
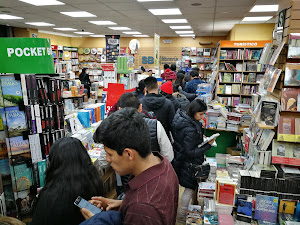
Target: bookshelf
239,73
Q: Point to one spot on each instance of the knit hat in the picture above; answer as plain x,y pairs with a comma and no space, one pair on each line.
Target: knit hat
170,75
167,87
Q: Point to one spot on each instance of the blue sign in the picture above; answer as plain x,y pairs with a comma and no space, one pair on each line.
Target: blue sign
147,60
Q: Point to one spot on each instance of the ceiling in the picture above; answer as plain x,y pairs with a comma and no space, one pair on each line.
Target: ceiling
211,18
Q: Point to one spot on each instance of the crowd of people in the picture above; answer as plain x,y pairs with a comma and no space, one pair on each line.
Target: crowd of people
151,138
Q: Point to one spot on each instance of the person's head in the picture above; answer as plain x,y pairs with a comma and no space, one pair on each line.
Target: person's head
179,80
166,66
196,69
141,87
151,85
70,168
181,71
173,67
194,74
187,78
126,139
166,89
143,69
5,220
129,100
83,70
197,109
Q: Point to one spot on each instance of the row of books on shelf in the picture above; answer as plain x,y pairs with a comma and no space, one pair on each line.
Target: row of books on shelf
236,89
246,66
249,89
239,77
186,51
285,153
74,62
248,54
74,54
234,101
197,59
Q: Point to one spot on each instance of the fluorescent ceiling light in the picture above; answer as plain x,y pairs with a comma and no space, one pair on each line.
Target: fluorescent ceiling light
57,33
9,17
65,29
184,31
132,32
141,35
257,18
264,8
80,32
97,35
155,0
172,11
119,28
104,22
180,27
79,14
43,2
187,35
40,24
175,21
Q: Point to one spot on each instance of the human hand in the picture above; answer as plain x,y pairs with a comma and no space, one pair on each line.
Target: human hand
212,141
86,213
106,203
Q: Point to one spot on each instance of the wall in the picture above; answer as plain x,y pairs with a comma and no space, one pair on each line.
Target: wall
23,32
56,40
256,32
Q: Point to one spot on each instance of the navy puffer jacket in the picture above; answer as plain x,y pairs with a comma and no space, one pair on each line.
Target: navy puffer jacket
188,134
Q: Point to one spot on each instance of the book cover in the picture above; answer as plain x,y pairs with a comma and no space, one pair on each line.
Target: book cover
226,193
42,172
22,177
228,89
268,113
266,208
84,118
289,99
280,152
15,122
11,91
17,145
297,130
276,53
287,206
3,148
274,79
265,139
194,215
297,212
294,150
252,77
34,87
210,218
263,86
236,89
244,210
24,89
286,129
26,202
227,77
292,74
220,89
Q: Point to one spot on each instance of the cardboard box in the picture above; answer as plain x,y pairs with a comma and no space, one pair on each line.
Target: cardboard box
233,151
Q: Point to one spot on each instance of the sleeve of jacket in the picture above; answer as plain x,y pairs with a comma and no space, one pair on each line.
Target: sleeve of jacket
189,96
166,148
171,116
188,87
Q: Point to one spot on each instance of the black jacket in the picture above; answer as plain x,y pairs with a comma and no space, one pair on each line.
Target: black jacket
85,79
174,102
182,100
188,134
189,96
162,108
152,124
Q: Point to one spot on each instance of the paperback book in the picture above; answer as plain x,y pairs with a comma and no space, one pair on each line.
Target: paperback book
268,113
11,91
292,74
210,218
266,208
22,177
286,129
289,99
287,206
244,210
17,145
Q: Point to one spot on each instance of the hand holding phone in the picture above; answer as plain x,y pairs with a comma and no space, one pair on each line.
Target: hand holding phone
84,204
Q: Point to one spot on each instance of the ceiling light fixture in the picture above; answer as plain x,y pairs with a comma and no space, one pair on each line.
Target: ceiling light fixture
40,24
132,32
184,32
257,18
141,35
104,22
161,12
79,14
264,8
180,27
97,35
187,35
196,4
65,29
175,21
9,17
43,2
119,28
83,32
155,0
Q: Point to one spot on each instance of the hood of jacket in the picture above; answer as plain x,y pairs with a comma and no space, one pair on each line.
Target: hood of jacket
170,75
154,101
182,120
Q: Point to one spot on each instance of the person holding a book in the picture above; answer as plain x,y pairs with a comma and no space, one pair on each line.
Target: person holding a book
188,136
70,174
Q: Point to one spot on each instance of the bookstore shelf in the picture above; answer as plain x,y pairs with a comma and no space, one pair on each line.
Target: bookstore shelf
228,71
79,96
112,194
229,82
251,83
107,175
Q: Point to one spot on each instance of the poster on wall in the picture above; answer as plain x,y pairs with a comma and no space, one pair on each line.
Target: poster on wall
112,47
156,51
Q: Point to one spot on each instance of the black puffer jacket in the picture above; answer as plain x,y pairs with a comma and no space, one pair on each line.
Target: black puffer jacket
189,96
182,100
162,108
188,134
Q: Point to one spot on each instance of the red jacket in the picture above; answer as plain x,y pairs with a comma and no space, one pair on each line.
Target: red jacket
169,75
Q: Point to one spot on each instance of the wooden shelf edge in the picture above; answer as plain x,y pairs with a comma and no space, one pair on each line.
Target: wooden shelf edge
112,194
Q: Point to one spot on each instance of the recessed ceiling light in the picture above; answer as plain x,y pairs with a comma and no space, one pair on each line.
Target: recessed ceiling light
187,35
64,29
132,32
141,35
155,0
196,4
172,11
184,31
97,35
264,8
180,27
175,21
9,17
79,14
257,18
104,22
43,2
81,32
40,24
119,28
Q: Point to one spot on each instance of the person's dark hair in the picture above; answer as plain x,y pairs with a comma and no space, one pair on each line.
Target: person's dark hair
166,66
151,83
187,78
194,73
143,69
195,106
181,71
179,79
125,128
196,69
129,100
173,67
141,86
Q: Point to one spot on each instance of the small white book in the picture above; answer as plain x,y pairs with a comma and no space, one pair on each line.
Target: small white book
208,139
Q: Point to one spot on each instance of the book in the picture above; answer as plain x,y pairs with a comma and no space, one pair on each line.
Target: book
287,206
266,54
297,130
276,53
294,43
236,89
3,148
84,118
263,86
289,99
292,74
265,139
280,153
226,193
294,158
286,129
244,210
11,91
210,218
266,208
268,113
24,89
274,79
225,219
228,89
17,145
22,177
227,77
252,77
194,215
208,139
25,201
237,77
42,172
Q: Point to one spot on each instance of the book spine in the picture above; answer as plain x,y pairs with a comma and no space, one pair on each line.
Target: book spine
42,170
28,85
41,92
36,175
51,118
43,119
47,119
28,118
35,148
34,90
33,119
24,89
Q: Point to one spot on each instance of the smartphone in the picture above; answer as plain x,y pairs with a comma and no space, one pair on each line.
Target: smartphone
82,203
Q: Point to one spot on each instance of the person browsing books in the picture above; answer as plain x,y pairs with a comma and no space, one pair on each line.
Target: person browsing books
192,86
151,196
188,135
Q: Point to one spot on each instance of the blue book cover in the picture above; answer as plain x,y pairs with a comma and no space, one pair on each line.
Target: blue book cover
11,91
17,145
14,121
21,176
210,218
297,212
93,114
266,208
4,167
244,208
42,172
84,118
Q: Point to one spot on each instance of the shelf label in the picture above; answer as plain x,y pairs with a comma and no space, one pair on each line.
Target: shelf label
244,44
